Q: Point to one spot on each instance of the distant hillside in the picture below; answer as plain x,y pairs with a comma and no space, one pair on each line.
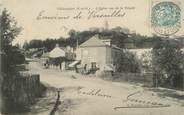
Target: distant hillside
117,35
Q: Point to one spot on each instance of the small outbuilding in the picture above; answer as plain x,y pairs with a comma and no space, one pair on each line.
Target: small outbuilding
61,57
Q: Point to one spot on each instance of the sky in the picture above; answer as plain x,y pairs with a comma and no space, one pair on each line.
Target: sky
137,17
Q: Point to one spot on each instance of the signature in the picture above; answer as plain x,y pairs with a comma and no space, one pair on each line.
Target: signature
129,102
140,103
94,92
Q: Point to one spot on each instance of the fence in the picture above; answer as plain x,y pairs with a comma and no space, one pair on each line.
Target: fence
19,91
146,78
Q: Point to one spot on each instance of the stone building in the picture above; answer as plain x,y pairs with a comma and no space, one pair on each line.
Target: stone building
99,53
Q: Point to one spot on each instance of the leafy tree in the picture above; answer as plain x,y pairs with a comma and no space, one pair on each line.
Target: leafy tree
72,33
117,35
168,63
10,57
146,61
36,44
9,31
49,43
26,45
129,63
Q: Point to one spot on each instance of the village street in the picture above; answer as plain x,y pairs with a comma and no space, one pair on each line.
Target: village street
89,95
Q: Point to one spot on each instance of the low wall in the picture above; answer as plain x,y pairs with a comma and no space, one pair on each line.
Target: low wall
20,91
146,78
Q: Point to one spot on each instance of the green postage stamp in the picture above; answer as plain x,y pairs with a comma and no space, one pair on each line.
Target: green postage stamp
165,17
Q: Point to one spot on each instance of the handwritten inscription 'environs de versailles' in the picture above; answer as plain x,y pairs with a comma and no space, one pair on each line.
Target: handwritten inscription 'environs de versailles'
84,13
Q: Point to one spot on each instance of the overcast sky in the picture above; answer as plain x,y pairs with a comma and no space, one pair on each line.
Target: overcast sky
26,12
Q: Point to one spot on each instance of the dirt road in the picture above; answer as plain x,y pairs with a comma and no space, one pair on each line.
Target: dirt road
90,95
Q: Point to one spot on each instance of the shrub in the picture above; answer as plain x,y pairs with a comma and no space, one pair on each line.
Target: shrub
129,63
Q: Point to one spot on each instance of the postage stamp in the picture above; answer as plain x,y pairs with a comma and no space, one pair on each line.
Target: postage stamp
165,18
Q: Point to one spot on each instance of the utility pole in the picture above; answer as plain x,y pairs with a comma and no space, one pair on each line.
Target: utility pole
106,25
77,43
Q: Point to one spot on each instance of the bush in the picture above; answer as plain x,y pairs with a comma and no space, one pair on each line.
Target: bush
129,63
146,62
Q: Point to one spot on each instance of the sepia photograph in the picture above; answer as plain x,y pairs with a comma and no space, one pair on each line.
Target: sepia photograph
92,57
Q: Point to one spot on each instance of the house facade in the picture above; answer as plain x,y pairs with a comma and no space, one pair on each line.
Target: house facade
59,57
99,53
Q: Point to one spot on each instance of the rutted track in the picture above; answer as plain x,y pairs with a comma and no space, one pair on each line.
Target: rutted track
58,102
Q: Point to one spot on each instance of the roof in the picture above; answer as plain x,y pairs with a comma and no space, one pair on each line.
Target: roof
108,68
93,41
74,63
64,49
57,52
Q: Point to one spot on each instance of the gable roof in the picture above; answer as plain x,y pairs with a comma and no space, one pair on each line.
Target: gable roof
57,52
93,41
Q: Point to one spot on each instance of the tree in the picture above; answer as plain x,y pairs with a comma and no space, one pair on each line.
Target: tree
49,43
10,57
9,31
26,45
168,63
73,39
146,61
35,43
129,63
72,33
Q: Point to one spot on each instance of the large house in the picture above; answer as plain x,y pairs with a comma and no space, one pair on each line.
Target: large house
99,53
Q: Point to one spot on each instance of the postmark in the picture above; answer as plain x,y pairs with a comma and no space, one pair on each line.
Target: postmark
166,18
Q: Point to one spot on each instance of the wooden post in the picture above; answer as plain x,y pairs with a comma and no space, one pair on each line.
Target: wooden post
183,83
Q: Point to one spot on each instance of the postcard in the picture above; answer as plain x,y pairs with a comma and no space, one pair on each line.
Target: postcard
92,57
